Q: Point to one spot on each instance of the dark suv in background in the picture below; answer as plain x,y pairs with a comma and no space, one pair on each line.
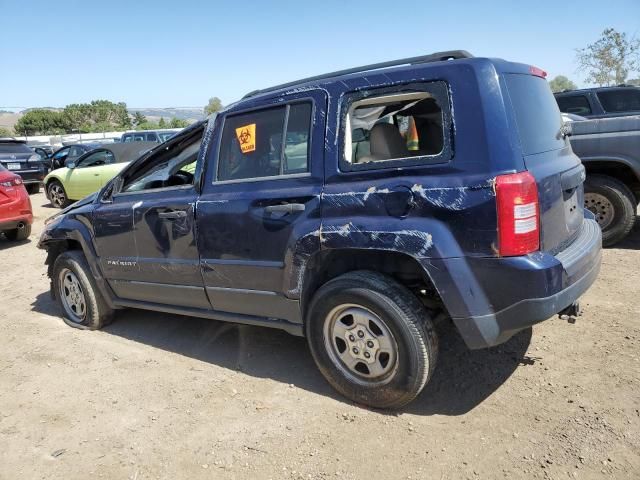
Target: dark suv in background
18,158
355,208
600,102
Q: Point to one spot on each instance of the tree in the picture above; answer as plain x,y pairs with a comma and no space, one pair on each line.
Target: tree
162,123
77,117
5,132
40,121
97,116
214,105
178,123
560,83
139,118
609,59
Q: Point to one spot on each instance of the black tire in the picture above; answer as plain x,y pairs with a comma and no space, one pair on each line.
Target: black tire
620,198
33,188
401,313
96,312
57,194
18,234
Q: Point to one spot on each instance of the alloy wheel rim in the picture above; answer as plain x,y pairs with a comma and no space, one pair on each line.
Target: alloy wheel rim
72,296
601,207
360,345
56,193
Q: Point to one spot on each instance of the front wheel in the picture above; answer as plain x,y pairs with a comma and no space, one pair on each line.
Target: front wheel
57,195
82,303
372,339
613,204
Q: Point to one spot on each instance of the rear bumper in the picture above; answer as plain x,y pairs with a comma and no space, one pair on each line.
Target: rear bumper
31,176
17,211
491,299
15,222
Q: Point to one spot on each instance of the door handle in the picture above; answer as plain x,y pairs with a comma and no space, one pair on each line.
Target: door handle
172,214
285,208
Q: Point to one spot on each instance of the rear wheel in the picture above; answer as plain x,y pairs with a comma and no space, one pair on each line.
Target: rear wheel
18,234
33,188
613,204
82,303
57,194
372,339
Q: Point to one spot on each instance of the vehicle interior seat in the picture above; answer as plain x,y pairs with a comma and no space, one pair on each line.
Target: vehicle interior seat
385,142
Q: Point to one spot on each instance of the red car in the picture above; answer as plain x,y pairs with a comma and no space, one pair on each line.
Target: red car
16,215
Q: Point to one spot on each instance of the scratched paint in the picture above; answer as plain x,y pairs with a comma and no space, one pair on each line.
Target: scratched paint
414,242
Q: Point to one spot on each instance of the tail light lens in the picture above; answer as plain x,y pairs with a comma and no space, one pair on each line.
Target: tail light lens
518,214
11,182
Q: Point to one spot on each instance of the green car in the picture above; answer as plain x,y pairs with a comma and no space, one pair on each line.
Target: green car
91,171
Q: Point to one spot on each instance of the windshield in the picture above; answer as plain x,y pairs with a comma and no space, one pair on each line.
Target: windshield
14,148
164,136
620,100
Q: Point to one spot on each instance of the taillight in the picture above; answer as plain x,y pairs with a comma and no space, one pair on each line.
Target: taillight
518,214
12,182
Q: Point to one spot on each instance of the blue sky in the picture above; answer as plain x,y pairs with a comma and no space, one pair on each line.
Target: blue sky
180,53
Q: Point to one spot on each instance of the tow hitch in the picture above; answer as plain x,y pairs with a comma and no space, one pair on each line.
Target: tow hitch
571,313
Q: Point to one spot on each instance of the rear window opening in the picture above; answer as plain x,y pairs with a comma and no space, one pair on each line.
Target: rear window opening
393,127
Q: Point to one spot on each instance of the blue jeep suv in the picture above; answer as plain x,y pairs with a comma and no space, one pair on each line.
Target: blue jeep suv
353,208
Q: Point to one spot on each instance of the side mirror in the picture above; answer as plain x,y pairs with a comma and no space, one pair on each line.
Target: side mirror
71,165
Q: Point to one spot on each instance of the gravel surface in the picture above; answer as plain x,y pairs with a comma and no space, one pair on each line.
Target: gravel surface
162,396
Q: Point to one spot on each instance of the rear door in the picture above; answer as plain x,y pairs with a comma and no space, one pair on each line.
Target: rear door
548,156
260,206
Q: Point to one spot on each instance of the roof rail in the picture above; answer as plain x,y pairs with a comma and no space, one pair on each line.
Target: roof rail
434,57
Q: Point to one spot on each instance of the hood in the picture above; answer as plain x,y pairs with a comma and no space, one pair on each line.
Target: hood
80,203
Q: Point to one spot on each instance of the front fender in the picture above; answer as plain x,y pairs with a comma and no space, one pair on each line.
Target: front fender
71,232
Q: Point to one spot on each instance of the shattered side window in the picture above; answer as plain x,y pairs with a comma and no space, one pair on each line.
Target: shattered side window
392,127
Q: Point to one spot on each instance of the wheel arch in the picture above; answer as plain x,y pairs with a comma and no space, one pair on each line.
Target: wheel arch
619,168
72,234
325,265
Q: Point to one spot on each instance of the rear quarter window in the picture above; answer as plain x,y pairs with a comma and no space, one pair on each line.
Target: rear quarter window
536,111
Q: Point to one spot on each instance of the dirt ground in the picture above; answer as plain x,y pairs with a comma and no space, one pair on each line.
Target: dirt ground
169,397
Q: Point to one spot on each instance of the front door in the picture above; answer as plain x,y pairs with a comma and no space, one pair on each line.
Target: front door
145,236
260,207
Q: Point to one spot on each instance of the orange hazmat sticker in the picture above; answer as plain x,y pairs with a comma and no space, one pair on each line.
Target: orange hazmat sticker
247,137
